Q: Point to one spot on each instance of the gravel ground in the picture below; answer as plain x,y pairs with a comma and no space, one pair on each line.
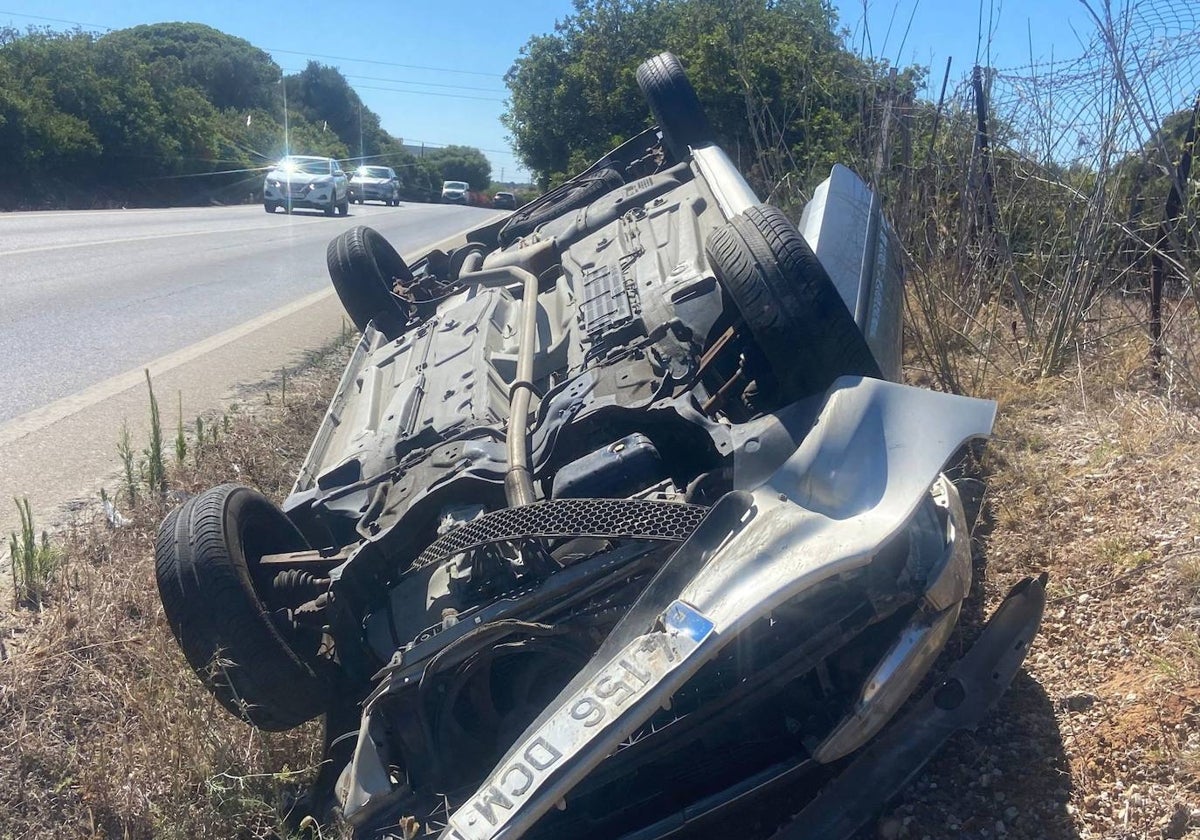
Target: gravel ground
1099,736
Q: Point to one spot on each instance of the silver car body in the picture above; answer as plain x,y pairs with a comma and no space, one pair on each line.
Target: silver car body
619,518
375,183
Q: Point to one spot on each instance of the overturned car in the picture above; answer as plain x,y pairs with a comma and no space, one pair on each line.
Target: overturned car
617,521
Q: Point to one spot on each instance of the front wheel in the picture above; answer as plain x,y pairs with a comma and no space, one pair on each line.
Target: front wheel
211,583
269,206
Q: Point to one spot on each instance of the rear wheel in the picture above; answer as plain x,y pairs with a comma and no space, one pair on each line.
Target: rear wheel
674,103
207,567
364,268
788,302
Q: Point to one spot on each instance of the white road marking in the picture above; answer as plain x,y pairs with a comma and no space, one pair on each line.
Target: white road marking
46,415
94,243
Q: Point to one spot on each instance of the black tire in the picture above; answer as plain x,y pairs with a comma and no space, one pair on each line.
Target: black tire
269,206
344,207
570,196
206,565
363,267
674,103
788,302
333,204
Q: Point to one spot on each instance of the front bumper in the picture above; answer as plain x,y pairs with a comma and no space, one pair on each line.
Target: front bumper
371,192
300,196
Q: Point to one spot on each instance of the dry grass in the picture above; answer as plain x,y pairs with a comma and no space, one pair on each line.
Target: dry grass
104,730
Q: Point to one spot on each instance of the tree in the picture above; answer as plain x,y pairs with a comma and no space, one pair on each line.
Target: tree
773,76
462,163
231,72
165,113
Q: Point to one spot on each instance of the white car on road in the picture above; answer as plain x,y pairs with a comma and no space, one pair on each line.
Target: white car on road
306,181
456,192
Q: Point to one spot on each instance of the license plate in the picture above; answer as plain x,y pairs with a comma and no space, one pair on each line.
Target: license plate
589,712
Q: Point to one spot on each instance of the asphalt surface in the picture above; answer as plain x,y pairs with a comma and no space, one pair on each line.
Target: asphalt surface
207,299
87,295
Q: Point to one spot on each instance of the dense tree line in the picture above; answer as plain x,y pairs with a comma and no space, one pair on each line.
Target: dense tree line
180,113
773,75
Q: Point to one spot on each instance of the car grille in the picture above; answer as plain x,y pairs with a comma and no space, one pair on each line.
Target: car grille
639,519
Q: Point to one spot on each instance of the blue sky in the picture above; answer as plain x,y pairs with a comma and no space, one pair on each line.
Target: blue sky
456,51
928,31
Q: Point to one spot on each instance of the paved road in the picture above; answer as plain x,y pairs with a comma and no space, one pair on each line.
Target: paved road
87,295
206,298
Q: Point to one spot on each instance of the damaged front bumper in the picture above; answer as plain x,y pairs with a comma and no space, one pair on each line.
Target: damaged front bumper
855,483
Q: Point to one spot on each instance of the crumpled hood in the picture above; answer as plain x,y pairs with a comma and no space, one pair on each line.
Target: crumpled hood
825,508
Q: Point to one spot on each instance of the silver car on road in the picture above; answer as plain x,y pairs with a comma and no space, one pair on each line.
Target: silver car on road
375,183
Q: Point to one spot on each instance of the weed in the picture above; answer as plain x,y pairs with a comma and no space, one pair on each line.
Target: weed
108,732
33,562
180,440
1189,576
199,445
125,450
1189,762
1122,551
155,467
1104,453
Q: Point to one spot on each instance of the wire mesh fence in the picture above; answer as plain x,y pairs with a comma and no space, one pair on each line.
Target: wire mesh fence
1051,208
